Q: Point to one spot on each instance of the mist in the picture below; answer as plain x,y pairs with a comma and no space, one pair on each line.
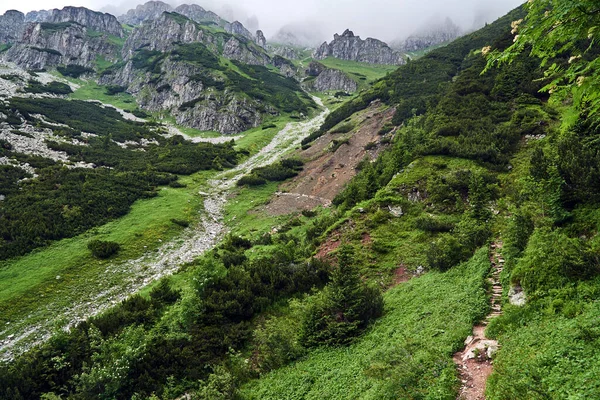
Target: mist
383,19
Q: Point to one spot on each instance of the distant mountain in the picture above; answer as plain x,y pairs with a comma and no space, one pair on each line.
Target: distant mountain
12,24
350,47
432,34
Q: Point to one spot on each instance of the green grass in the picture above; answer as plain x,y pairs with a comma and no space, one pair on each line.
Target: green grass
356,69
25,280
90,90
407,354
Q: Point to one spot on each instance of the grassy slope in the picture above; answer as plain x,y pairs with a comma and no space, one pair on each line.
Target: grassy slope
406,354
364,74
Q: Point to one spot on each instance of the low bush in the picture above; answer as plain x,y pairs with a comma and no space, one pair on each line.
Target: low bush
103,249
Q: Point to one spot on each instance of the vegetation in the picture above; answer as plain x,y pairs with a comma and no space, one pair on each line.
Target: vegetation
51,88
73,70
103,249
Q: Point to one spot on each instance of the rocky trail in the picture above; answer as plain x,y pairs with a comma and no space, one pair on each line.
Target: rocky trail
122,279
474,362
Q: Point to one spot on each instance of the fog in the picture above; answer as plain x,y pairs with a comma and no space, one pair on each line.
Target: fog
318,19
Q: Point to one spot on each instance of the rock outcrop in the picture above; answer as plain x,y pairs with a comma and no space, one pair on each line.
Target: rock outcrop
37,16
44,45
284,51
237,28
326,79
199,14
171,29
433,35
144,12
260,39
92,20
350,47
12,24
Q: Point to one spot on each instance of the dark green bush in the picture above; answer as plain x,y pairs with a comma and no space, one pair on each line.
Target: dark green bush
52,87
111,90
74,70
181,222
251,180
103,249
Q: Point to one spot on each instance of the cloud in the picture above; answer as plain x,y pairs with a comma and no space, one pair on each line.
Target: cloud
383,19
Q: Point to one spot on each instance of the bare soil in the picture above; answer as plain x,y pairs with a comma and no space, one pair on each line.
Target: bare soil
325,172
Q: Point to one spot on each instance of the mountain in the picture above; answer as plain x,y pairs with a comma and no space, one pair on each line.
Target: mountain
350,47
12,24
432,34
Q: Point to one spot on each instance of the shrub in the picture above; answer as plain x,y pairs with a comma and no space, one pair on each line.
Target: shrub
181,222
370,146
111,90
74,71
103,249
445,252
433,224
251,180
343,309
343,128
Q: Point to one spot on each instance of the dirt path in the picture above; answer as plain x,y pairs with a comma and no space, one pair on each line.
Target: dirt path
132,275
474,362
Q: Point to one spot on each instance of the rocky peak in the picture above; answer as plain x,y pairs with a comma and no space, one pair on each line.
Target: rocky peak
436,32
12,24
260,39
350,47
37,16
237,28
199,14
94,20
145,12
326,79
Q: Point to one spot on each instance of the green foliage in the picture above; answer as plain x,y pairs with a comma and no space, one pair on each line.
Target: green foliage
344,309
406,354
554,29
111,90
74,70
277,172
103,249
52,87
251,180
552,260
197,54
343,128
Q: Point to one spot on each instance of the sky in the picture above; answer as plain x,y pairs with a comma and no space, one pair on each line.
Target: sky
387,20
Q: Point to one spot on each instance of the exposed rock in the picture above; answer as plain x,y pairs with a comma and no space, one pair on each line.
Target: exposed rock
12,24
199,14
169,30
260,39
434,34
144,12
516,296
69,44
333,79
236,28
350,47
286,67
37,16
93,20
284,51
315,68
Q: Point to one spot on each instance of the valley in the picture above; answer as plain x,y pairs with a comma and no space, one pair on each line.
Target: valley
195,205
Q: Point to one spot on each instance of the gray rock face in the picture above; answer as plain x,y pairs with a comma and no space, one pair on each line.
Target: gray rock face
433,35
284,51
350,47
37,16
144,12
328,79
286,67
236,28
164,33
199,14
12,24
41,48
260,39
92,20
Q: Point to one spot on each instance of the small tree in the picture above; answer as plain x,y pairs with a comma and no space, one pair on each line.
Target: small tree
103,249
343,309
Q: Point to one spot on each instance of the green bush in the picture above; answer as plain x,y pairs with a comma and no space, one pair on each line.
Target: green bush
344,128
251,180
103,249
344,308
111,90
445,252
74,70
52,87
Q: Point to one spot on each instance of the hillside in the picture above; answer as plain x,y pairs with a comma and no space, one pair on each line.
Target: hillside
432,235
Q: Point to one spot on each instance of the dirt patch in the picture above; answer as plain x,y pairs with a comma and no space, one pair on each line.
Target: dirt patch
327,172
328,247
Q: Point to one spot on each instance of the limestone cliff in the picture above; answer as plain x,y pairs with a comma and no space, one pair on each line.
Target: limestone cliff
12,24
323,79
144,12
435,33
47,44
350,47
92,20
